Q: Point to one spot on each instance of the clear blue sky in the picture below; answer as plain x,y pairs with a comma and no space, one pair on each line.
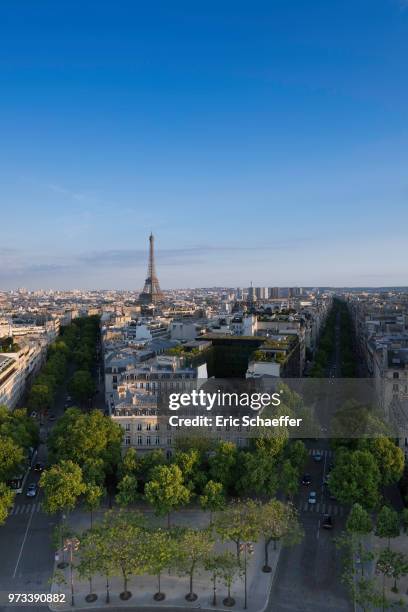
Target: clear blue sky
263,141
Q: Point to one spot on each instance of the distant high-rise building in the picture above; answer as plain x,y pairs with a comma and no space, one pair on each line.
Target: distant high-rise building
261,293
151,291
273,292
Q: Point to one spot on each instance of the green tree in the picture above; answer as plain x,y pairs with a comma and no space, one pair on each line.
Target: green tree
390,459
355,478
94,442
124,533
82,386
289,479
222,464
359,525
62,484
166,491
239,522
277,521
11,458
40,398
193,547
6,501
388,524
89,564
229,568
127,490
93,497
161,550
213,498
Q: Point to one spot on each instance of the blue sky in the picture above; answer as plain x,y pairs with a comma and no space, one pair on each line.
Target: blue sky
263,141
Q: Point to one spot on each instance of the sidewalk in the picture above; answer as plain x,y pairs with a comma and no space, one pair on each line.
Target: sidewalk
259,584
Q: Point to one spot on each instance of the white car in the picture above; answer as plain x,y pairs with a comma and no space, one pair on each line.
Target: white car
312,497
33,415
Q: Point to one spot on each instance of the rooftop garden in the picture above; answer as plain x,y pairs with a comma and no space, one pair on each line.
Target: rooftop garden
7,345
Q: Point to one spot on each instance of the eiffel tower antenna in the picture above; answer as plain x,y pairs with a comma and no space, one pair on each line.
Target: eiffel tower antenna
151,293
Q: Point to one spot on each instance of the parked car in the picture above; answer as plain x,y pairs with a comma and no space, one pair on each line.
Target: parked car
306,479
32,490
38,467
327,522
33,414
312,497
51,417
317,456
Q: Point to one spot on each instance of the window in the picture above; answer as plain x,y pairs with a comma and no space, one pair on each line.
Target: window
127,427
148,427
157,440
157,427
139,440
395,375
139,427
148,440
169,442
127,441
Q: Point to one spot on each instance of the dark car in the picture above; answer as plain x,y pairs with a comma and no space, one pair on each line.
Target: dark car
306,479
327,522
52,417
38,467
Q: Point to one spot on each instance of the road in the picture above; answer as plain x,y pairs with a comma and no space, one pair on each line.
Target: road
308,578
26,550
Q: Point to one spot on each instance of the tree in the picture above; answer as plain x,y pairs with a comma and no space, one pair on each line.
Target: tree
6,501
277,521
93,497
388,524
213,498
193,546
62,484
11,458
94,442
257,473
166,491
127,490
390,459
222,464
105,564
226,566
124,533
396,564
161,549
89,564
355,478
82,386
239,522
359,524
40,398
289,479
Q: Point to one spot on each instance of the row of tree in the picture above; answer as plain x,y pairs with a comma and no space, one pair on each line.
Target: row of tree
123,545
18,436
390,563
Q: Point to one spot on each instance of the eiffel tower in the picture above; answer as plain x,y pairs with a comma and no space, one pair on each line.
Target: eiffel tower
151,293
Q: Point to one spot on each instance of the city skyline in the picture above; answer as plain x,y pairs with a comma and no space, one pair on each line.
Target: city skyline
264,144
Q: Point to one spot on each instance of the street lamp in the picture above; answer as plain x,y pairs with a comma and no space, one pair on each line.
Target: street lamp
247,548
71,545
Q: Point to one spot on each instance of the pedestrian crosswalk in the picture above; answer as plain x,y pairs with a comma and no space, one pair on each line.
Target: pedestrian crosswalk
25,509
322,508
323,453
